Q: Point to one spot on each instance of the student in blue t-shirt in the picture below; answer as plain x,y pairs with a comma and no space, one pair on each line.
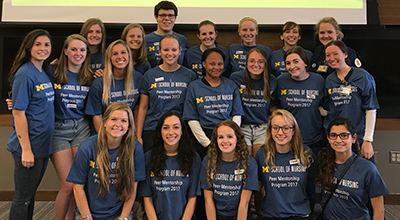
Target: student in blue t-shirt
361,183
351,93
163,89
228,174
119,83
207,34
248,30
285,166
95,32
165,13
210,100
107,168
172,172
257,88
134,35
290,35
31,141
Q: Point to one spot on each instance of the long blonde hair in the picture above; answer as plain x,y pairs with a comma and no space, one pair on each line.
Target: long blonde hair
85,75
125,162
108,77
296,144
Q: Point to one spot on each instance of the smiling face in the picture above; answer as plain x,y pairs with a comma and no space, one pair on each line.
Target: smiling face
119,56
248,32
281,137
165,20
339,145
291,36
41,49
226,140
117,124
327,33
134,38
94,35
76,52
170,50
296,66
335,57
255,65
207,35
214,65
171,132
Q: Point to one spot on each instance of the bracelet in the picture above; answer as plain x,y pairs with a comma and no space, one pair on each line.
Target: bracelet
120,218
86,217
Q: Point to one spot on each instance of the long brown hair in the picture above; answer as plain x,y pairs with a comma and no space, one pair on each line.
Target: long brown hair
248,83
85,75
85,30
141,56
125,162
296,144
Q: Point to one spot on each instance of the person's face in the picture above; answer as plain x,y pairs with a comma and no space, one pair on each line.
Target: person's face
296,66
214,65
170,51
117,124
95,35
134,38
255,64
207,35
76,52
171,131
165,20
281,131
291,37
226,140
335,57
343,141
119,56
41,48
248,32
327,33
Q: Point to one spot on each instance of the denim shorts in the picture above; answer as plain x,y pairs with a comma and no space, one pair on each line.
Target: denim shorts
255,134
70,133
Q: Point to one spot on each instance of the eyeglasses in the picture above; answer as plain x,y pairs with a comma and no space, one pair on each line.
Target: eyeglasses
170,16
285,129
343,136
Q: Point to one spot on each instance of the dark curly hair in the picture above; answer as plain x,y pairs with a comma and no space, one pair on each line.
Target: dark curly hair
186,151
327,155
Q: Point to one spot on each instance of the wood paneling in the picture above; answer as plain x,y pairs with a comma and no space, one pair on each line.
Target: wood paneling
389,12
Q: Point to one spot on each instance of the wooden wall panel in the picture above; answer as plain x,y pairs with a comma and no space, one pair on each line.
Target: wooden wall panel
389,12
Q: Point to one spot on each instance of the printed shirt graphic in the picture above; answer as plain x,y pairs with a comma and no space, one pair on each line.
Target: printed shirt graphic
96,61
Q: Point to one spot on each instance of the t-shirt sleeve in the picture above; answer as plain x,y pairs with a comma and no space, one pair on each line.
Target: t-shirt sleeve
190,110
237,108
145,189
144,86
22,89
252,179
375,184
194,189
203,175
368,93
260,160
139,163
314,167
80,165
94,100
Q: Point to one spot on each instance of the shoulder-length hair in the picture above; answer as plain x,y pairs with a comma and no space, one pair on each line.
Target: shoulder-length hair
108,77
24,52
296,144
85,75
249,91
214,154
85,30
141,56
333,22
125,162
186,151
327,156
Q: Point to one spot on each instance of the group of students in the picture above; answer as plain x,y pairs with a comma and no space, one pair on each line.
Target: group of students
140,100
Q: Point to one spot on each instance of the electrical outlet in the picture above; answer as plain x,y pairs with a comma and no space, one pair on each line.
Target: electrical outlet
394,156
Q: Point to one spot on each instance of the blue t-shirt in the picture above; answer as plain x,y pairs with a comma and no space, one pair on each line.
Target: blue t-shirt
238,52
228,183
256,109
361,182
95,104
171,193
34,94
302,99
142,68
153,45
70,98
211,105
285,185
96,61
277,62
166,91
84,171
193,59
352,100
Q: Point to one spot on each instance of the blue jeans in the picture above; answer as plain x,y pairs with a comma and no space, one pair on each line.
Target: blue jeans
26,183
